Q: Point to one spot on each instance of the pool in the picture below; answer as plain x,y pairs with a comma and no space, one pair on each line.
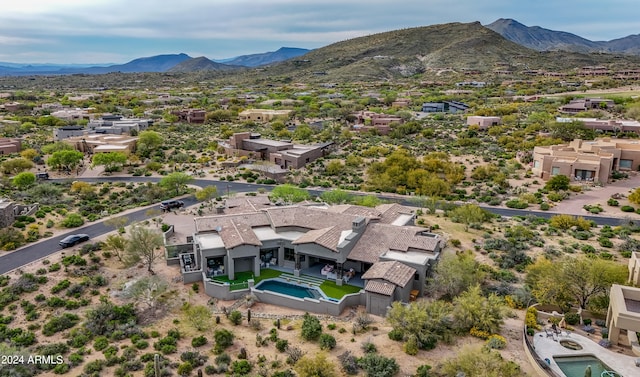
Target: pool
289,289
575,366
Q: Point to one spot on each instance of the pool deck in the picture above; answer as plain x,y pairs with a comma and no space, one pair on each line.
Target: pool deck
548,347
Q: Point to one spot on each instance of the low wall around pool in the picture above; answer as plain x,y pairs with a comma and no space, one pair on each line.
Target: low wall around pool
319,306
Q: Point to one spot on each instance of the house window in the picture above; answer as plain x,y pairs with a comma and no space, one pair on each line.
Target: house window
289,254
555,170
416,276
536,164
625,164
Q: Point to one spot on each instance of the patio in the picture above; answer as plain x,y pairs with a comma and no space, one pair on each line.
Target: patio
329,287
547,346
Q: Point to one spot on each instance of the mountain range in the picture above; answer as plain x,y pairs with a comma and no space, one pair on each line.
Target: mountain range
398,53
541,39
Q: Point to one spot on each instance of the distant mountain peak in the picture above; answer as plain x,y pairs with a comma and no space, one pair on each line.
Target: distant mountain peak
256,60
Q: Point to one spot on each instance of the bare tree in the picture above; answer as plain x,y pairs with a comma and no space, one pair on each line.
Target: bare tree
144,244
117,223
148,292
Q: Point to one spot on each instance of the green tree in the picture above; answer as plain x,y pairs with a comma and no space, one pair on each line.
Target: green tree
65,159
336,196
472,309
24,180
16,165
112,161
315,366
207,193
144,244
176,182
428,321
303,132
455,273
334,167
199,316
289,194
570,130
557,183
29,154
634,197
478,361
148,141
573,280
469,214
56,147
116,244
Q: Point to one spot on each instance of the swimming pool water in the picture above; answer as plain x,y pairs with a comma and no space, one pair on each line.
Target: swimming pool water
574,366
288,289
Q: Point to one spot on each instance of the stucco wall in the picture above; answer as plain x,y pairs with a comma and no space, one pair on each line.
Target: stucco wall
321,306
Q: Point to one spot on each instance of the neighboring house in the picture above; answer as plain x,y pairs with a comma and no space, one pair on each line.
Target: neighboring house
483,122
623,316
107,124
262,115
98,143
190,115
590,161
378,247
610,125
72,114
367,120
584,104
452,107
10,145
282,153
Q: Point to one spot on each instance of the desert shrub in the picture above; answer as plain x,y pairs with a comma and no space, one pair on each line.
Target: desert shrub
73,220
235,317
396,334
572,318
368,347
517,204
348,362
282,344
410,347
60,323
223,339
311,327
106,317
376,365
327,342
496,342
198,341
627,209
240,368
612,202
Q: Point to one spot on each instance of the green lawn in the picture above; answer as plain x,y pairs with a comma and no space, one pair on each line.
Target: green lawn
240,282
331,289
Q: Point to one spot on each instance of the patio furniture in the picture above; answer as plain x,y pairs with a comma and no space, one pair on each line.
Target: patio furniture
326,269
413,295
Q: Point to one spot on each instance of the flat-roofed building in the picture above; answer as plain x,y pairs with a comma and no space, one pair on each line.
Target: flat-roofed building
483,122
262,115
587,161
623,316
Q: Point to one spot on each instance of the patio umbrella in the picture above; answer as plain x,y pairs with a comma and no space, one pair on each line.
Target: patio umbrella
587,372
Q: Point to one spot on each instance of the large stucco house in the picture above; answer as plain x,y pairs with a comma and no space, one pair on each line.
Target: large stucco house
378,248
587,160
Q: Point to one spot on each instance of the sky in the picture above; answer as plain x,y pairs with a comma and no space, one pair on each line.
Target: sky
117,31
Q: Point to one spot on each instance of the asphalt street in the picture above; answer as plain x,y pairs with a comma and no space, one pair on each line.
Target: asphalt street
33,252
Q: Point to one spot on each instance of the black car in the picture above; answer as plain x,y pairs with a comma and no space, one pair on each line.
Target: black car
168,205
73,239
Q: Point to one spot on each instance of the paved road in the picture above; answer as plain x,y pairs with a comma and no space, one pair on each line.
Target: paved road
30,253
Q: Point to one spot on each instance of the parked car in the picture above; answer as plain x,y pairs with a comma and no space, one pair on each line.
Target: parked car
73,239
168,205
42,176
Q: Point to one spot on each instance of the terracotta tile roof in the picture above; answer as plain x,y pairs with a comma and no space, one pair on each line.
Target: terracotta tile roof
308,217
390,212
237,233
379,238
348,209
209,223
380,287
392,271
